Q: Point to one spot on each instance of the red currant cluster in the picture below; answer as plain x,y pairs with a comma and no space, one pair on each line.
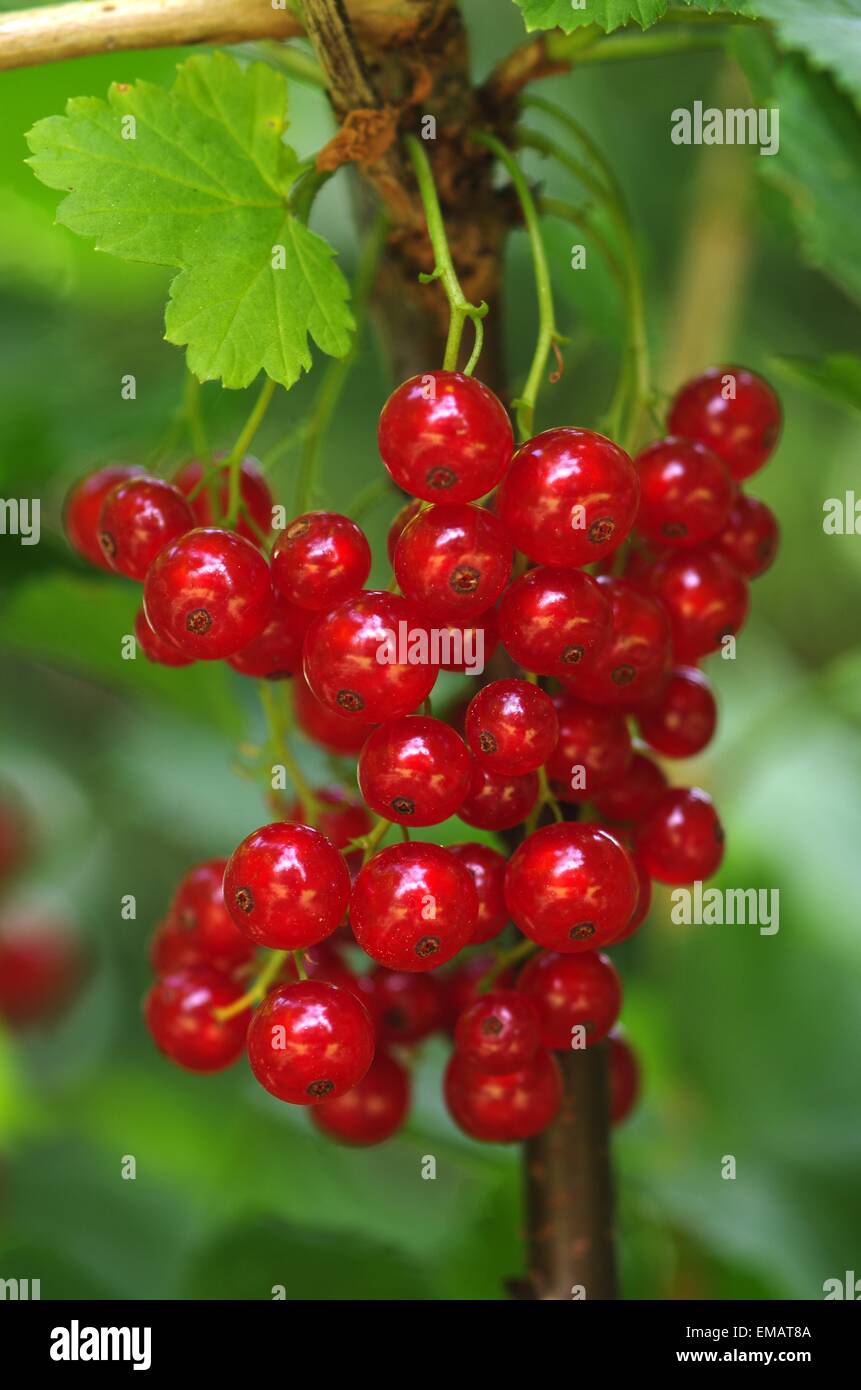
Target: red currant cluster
328,1021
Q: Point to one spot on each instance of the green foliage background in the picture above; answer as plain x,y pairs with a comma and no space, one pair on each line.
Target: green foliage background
749,1043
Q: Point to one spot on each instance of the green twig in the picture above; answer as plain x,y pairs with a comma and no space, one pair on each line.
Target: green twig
276,721
257,991
234,459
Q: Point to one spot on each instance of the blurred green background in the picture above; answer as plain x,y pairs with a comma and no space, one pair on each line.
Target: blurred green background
749,1044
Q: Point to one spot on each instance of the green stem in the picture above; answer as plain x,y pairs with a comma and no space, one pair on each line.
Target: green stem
194,418
298,65
369,497
257,991
643,46
444,270
281,751
580,214
237,453
503,961
374,836
299,963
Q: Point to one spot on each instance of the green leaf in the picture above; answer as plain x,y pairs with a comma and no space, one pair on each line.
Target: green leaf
607,14
837,376
198,179
828,33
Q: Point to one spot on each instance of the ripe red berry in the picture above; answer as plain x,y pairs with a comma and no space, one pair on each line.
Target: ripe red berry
631,795
494,802
705,599
415,770
685,492
369,658
462,984
551,618
487,867
158,649
310,1041
139,517
320,559
413,907
502,1109
750,538
332,730
593,749
211,501
499,1032
276,652
633,663
624,1079
445,437
347,820
398,524
200,917
408,1006
370,1112
734,412
286,886
83,507
466,647
644,901
209,592
40,967
681,722
582,991
571,887
453,561
569,497
179,1013
681,839
511,727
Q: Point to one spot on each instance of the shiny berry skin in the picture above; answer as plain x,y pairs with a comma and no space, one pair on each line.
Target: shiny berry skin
157,649
631,795
253,490
685,492
499,1032
633,663
551,618
371,1111
593,748
571,887
495,802
209,592
487,867
286,886
346,821
413,907
40,968
682,721
179,1013
569,498
276,652
644,901
328,728
681,839
139,517
415,770
399,522
511,727
408,1006
83,507
199,915
624,1078
742,431
445,437
453,561
569,992
320,559
462,985
467,647
310,1041
353,658
705,600
750,538
502,1109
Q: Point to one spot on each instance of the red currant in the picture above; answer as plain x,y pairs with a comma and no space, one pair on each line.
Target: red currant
705,598
682,721
734,412
310,1041
453,561
487,867
320,559
158,649
502,1109
467,647
685,492
569,992
644,901
445,437
370,1112
551,618
276,652
571,887
139,517
211,501
179,1012
399,524
347,820
498,803
633,663
681,839
369,658
413,907
499,1032
463,983
633,793
511,727
40,968
624,1079
415,771
199,915
569,497
409,1006
329,728
593,749
750,538
83,508
286,886
209,592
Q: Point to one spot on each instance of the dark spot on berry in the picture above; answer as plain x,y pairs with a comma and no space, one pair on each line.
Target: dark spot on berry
719,833
348,699
198,621
623,675
674,529
108,544
298,528
395,1019
244,899
278,675
601,530
440,477
320,1088
572,655
403,806
492,1026
428,946
486,742
464,579
582,931
724,632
